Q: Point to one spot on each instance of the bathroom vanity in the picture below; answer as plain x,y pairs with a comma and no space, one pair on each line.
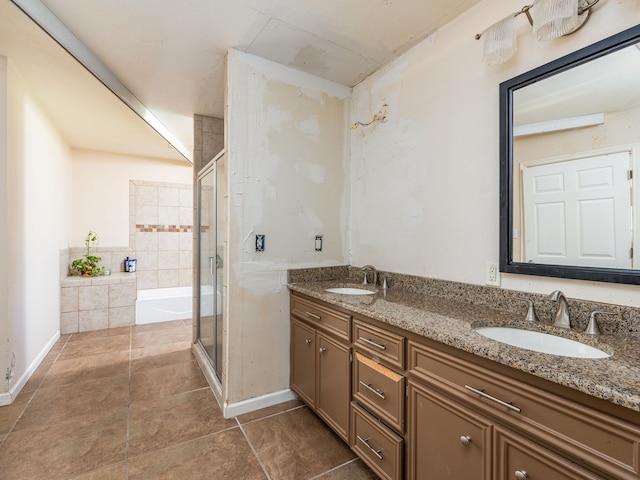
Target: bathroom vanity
418,394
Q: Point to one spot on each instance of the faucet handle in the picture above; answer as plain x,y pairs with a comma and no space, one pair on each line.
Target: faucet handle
364,280
531,317
592,327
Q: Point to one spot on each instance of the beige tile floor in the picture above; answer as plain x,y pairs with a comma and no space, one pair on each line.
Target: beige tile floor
131,403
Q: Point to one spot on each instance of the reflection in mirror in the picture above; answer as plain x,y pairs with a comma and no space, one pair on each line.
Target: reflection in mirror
570,138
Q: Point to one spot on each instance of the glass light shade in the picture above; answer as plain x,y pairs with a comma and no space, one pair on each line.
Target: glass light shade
499,41
554,18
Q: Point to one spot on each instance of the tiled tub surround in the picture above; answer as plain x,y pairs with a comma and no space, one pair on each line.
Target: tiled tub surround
96,303
447,312
161,233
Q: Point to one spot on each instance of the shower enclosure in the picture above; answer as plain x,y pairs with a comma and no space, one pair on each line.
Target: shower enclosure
210,250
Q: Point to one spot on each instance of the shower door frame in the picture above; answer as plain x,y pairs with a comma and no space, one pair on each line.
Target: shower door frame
203,358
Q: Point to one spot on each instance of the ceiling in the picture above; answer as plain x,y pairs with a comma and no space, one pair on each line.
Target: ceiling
170,55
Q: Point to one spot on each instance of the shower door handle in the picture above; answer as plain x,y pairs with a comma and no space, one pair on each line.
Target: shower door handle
211,266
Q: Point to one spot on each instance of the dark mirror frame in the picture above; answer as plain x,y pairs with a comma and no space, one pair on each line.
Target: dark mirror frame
507,265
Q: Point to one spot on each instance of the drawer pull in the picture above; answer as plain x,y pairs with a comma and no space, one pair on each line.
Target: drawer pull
322,349
373,450
372,343
521,475
482,393
374,390
465,440
314,315
308,341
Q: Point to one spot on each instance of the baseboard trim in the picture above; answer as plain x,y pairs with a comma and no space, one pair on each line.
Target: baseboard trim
230,410
245,406
8,397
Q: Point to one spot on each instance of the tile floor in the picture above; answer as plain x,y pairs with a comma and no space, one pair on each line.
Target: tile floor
131,403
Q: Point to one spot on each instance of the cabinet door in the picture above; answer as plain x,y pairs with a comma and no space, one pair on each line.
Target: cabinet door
445,439
334,386
519,459
303,361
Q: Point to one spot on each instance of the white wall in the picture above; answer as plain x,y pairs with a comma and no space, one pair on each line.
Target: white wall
424,184
4,229
100,192
37,218
286,134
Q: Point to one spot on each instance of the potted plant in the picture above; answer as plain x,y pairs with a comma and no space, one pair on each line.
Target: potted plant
87,266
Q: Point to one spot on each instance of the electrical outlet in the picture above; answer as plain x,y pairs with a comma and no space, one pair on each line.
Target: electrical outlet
259,243
492,274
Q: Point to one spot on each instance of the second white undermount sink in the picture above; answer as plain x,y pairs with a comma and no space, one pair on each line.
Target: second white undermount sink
350,291
541,342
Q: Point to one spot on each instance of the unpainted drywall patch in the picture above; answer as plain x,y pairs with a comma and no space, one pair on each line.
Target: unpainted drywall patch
310,127
313,172
311,59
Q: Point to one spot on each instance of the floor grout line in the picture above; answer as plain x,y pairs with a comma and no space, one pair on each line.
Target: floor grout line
271,415
184,442
315,477
127,438
264,468
33,393
123,465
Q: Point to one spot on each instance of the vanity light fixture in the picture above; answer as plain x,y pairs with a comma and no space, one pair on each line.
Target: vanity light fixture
549,18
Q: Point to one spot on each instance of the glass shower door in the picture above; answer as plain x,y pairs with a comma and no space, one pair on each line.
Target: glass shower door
210,275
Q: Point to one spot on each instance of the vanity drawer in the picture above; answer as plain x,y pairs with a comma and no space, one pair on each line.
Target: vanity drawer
516,454
321,316
379,343
380,390
607,443
376,445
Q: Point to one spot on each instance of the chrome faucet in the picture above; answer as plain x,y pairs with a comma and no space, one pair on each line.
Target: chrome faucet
562,315
375,274
531,317
592,326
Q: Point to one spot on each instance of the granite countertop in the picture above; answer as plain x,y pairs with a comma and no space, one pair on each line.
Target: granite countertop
615,379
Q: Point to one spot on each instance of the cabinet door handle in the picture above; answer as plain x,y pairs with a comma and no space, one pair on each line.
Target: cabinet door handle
373,450
308,341
374,390
482,393
322,349
314,315
465,440
521,475
372,343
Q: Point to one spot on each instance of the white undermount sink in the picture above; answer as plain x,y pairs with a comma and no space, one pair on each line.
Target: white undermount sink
541,342
349,291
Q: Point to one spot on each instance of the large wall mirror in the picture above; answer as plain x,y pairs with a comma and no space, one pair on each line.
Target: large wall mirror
569,144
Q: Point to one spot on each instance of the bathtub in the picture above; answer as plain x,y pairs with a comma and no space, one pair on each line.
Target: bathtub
165,304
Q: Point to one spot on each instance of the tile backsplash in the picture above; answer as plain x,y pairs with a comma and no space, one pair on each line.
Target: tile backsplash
626,322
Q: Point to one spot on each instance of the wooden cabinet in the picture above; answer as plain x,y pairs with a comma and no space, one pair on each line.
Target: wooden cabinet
303,361
378,408
572,440
321,361
517,458
380,390
425,411
334,384
446,440
377,445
